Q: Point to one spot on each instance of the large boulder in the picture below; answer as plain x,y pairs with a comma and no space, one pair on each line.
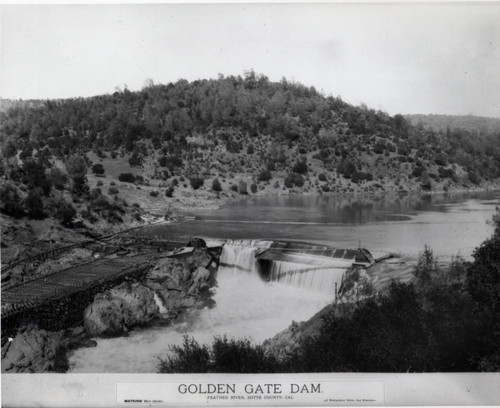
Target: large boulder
35,350
183,283
197,243
31,351
169,274
115,311
357,285
200,257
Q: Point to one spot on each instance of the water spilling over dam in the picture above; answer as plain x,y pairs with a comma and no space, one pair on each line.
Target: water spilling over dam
311,267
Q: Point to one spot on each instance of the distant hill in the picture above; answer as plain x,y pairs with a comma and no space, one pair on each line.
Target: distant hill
221,138
469,123
6,104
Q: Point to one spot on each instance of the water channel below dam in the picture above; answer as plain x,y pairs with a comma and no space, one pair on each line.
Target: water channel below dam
248,306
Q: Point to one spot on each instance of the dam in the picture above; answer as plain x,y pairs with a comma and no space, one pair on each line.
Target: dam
314,267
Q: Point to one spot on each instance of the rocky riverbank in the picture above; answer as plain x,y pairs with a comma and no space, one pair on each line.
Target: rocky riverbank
357,285
170,288
173,286
289,340
35,350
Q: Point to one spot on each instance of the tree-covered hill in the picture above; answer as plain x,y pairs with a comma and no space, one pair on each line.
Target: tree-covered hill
224,137
475,125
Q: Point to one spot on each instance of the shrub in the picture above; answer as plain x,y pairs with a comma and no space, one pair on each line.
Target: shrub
58,178
242,187
98,169
359,176
126,177
63,211
253,188
265,175
10,202
34,204
441,159
188,358
95,192
175,182
300,167
99,183
216,186
154,193
135,159
196,182
169,192
234,187
347,168
163,161
113,190
426,185
474,176
77,169
322,177
223,356
294,179
418,171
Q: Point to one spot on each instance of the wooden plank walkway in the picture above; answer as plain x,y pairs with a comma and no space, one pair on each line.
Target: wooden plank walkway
71,280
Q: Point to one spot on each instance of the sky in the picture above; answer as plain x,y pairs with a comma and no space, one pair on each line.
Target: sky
398,58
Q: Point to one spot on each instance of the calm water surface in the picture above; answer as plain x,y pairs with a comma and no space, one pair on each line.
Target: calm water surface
450,224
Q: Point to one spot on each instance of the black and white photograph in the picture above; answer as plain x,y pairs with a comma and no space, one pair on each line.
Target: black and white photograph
250,203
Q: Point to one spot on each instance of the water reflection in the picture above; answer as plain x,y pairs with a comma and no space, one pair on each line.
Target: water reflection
450,223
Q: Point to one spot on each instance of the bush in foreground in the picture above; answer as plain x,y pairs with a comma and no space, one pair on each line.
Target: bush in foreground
223,356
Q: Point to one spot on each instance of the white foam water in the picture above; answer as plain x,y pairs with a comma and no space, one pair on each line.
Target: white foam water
326,278
246,306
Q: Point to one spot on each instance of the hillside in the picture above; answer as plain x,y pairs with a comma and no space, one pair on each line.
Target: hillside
110,157
476,125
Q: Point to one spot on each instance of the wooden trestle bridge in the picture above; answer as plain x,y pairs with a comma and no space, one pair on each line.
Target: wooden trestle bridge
65,287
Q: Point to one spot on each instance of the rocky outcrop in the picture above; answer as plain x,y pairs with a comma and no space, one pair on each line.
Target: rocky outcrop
35,351
185,283
197,243
115,311
179,284
31,351
357,285
289,340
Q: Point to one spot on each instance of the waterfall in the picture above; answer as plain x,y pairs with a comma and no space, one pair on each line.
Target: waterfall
235,259
239,256
309,272
325,278
159,303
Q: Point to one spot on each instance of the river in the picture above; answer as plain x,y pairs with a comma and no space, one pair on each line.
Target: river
403,224
248,307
